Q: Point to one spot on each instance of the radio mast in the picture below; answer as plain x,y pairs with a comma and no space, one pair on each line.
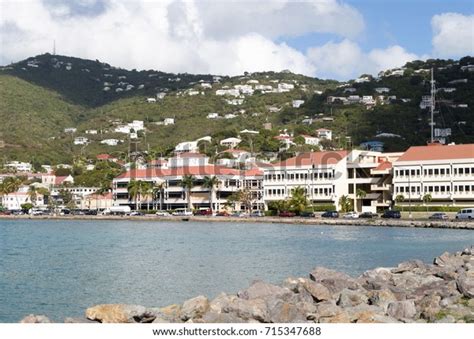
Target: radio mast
433,103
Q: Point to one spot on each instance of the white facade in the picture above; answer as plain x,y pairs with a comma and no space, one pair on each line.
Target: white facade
19,166
168,121
230,142
446,173
324,133
111,142
213,115
297,103
81,141
187,146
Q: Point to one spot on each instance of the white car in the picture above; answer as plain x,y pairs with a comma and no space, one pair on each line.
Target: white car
182,212
351,215
162,214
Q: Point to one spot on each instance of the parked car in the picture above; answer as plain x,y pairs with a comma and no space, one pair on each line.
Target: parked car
182,212
222,214
307,214
465,213
368,215
391,214
17,212
286,214
5,212
162,214
257,214
330,214
438,216
351,215
36,212
203,212
91,212
239,214
137,214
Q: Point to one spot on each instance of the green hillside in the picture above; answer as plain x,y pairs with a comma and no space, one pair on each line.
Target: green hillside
48,98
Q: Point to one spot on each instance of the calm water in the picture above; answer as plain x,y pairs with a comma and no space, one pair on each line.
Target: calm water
59,268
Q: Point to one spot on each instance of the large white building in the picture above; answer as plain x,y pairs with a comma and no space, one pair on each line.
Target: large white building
175,196
444,172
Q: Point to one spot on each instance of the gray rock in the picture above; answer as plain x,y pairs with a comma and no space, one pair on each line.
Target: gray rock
318,291
411,266
429,307
333,280
465,284
402,309
194,308
35,319
70,320
255,309
223,318
351,298
327,309
283,312
381,298
221,302
261,290
447,259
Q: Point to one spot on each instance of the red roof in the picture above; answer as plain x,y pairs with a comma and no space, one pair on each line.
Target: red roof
315,158
106,196
283,137
323,130
158,162
60,180
103,157
438,152
383,166
253,172
235,151
207,170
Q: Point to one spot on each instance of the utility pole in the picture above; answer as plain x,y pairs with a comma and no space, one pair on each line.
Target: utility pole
433,103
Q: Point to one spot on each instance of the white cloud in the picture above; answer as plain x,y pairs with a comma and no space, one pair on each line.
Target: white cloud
175,36
346,59
453,35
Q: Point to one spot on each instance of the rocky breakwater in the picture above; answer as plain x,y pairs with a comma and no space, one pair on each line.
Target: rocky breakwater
411,292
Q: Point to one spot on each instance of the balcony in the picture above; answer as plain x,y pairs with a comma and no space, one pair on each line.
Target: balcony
385,187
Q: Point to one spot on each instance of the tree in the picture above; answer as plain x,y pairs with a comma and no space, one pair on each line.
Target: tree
146,190
159,191
345,203
427,199
26,206
211,183
360,194
299,140
187,184
11,185
33,194
399,199
137,189
298,201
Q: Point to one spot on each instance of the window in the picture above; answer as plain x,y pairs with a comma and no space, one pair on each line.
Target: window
425,172
436,171
418,172
441,171
467,170
412,172
461,171
442,188
447,171
430,172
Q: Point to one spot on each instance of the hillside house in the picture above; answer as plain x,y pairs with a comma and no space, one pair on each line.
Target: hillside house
297,103
81,141
230,142
324,133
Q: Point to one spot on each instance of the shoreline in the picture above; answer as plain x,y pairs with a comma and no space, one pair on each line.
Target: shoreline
411,292
378,222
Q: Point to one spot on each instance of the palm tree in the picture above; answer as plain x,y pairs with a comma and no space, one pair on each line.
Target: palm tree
33,194
187,183
211,183
298,200
400,198
361,194
345,203
146,190
426,200
159,190
11,185
133,189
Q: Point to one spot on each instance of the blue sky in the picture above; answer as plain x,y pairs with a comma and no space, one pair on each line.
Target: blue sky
338,39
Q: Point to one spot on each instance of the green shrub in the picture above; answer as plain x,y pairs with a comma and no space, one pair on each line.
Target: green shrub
419,208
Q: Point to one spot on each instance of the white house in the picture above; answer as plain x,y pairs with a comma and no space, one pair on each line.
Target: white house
19,166
186,147
285,87
230,116
70,130
213,116
230,142
310,140
206,85
297,103
111,142
168,121
151,100
324,133
13,201
231,92
368,100
381,90
81,141
91,131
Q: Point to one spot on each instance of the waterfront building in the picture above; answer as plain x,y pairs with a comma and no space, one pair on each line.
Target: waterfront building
443,172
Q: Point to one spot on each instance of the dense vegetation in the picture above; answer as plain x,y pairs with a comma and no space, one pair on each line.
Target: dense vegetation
41,96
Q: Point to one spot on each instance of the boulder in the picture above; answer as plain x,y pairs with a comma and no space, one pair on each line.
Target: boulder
333,280
221,302
318,291
381,298
170,313
70,320
450,260
429,306
119,313
402,309
465,284
412,266
222,318
255,309
328,309
194,308
35,319
261,290
351,298
283,312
